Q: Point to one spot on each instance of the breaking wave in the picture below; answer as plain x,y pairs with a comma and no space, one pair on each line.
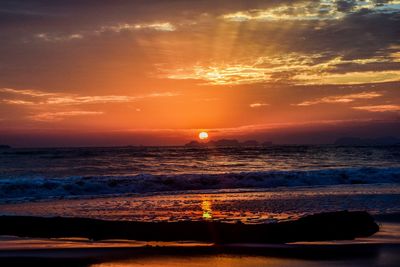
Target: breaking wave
37,188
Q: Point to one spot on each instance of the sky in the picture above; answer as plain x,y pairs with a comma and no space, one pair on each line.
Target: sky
155,72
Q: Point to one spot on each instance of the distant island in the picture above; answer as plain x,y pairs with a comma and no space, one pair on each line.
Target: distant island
5,147
356,141
228,143
342,141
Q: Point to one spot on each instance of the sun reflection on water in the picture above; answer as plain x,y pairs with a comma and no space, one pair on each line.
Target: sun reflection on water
207,209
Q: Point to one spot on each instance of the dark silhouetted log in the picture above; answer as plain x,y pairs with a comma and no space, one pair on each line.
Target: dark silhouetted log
342,225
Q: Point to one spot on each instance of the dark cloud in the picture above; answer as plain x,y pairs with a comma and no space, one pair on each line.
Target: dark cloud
359,34
355,67
345,5
381,2
87,11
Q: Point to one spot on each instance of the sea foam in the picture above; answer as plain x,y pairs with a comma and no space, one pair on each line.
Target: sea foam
37,188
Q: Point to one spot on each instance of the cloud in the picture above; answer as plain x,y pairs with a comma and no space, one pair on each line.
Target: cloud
365,30
258,105
297,11
292,68
44,98
78,100
369,30
116,28
27,92
379,108
18,102
345,5
61,115
158,26
48,37
40,102
341,98
221,75
356,77
311,10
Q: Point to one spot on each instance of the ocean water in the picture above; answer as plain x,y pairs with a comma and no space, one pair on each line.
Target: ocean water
178,183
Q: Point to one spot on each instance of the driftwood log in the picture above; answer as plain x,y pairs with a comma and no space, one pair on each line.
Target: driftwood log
341,225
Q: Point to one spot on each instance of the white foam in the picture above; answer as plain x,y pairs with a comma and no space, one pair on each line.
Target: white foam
12,189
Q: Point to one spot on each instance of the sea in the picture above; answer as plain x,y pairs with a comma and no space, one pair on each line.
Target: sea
230,184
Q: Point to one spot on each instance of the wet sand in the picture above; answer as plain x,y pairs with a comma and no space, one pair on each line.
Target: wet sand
381,249
247,206
204,255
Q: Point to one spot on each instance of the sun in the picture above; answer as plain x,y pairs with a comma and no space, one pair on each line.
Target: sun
203,135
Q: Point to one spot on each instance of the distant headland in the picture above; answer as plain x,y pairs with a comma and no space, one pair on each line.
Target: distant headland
5,147
228,143
342,141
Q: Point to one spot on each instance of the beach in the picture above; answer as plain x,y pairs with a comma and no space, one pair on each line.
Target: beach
381,249
250,186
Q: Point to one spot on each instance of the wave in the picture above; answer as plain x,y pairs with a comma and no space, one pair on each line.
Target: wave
37,188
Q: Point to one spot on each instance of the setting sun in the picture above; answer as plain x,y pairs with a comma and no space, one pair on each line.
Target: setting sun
203,135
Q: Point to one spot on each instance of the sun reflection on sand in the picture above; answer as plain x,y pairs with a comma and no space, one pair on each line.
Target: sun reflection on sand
200,261
207,209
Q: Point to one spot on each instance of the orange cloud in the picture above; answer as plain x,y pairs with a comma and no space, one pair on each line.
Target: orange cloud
379,108
58,116
292,68
71,99
341,98
27,92
157,26
257,105
18,102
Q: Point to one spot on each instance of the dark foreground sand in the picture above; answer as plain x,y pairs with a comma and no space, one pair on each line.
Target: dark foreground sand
195,255
382,249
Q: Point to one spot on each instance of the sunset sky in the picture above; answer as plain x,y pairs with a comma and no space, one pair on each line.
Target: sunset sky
156,72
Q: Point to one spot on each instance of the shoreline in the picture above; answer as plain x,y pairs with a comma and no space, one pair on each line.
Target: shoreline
254,206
